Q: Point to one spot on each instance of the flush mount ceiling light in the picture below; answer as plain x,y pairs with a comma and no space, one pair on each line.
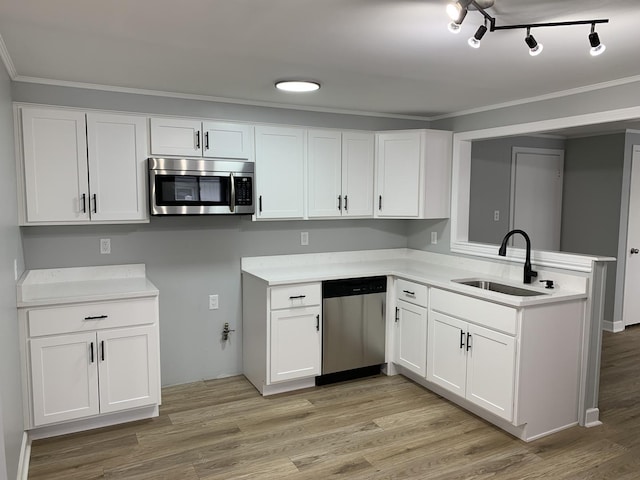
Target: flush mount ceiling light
298,86
457,10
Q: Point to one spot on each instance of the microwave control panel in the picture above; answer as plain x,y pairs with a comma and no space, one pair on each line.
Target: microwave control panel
244,190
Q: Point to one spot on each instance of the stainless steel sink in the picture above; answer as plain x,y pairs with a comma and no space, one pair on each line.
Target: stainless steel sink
500,288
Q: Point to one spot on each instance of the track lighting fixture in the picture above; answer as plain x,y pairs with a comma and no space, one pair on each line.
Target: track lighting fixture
457,10
597,48
475,40
535,48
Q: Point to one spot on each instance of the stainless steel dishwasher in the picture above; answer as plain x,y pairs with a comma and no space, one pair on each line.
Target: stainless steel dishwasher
353,328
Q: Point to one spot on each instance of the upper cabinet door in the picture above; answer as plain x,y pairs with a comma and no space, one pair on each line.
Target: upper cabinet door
55,165
175,136
325,165
399,171
117,155
228,140
280,153
357,174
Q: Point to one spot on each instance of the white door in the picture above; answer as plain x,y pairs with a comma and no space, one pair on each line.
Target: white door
536,196
447,359
491,370
128,368
324,158
55,165
631,302
357,174
296,344
398,175
280,154
227,140
64,376
411,347
117,175
176,136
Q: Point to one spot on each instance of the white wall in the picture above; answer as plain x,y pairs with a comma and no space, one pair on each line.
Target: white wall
11,428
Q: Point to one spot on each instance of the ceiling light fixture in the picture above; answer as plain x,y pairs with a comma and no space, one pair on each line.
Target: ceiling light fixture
458,10
298,86
597,48
475,40
535,48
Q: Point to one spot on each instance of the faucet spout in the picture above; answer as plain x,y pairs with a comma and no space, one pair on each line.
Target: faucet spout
528,272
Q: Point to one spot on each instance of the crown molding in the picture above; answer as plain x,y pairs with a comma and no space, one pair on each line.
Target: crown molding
6,59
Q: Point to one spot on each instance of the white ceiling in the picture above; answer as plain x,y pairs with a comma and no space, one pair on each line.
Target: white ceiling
393,57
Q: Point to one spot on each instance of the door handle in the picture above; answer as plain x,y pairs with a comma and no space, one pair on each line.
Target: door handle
260,204
91,349
345,203
232,199
102,350
634,251
468,341
95,203
317,323
197,140
461,339
339,202
397,314
379,202
206,140
84,203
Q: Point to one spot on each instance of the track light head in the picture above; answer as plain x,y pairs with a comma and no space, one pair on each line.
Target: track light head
535,48
597,47
454,27
458,9
475,40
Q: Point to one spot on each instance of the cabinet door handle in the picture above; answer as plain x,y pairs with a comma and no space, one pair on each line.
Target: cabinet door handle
97,317
379,202
197,140
102,350
95,203
84,203
468,341
397,314
206,140
345,203
297,297
411,294
317,323
461,339
91,350
339,202
260,203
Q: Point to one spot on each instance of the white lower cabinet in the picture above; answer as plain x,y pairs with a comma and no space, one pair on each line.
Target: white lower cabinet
411,337
91,359
472,361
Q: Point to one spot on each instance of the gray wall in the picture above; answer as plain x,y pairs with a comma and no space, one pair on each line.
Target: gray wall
593,172
491,184
11,428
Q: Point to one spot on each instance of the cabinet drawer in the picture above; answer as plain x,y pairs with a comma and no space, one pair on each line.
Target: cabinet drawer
91,316
411,292
481,312
289,296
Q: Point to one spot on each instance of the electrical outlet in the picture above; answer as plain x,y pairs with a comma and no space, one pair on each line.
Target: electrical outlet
434,238
105,246
304,238
213,302
496,215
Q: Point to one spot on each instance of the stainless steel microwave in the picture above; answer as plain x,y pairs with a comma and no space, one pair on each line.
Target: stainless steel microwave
198,186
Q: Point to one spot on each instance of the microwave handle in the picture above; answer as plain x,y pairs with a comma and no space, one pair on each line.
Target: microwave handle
232,201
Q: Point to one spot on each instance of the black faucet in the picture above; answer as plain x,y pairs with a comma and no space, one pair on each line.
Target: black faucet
528,273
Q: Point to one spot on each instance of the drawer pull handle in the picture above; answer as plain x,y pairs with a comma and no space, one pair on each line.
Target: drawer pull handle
413,294
97,317
92,352
297,297
468,341
461,339
102,350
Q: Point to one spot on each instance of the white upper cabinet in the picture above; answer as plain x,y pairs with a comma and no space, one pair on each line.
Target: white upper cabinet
340,181
413,174
280,155
117,167
55,166
81,168
194,138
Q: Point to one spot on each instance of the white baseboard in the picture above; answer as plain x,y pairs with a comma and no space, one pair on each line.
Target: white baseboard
592,418
25,455
613,327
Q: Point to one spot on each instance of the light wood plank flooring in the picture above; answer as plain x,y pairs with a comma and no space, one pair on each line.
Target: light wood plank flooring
376,428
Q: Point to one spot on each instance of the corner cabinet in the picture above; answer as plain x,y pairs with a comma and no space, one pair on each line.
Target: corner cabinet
83,361
413,174
81,167
282,334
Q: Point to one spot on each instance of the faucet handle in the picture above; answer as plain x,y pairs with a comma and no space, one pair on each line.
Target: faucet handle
549,283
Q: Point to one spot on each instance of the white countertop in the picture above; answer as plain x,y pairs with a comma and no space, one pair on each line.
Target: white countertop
422,267
83,284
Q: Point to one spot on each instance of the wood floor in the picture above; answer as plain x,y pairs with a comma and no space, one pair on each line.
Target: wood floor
378,428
